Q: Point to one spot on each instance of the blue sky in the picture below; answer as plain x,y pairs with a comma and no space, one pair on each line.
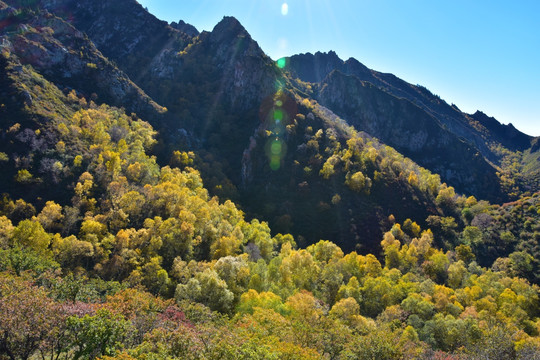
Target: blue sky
481,54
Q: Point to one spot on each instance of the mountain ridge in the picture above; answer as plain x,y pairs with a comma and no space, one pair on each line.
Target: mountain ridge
266,139
501,145
411,131
113,244
320,64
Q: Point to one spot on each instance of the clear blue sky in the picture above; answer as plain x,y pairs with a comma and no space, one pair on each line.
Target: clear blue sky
477,54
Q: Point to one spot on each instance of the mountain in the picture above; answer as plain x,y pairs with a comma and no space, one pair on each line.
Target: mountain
494,141
185,28
113,244
58,50
413,132
315,67
287,153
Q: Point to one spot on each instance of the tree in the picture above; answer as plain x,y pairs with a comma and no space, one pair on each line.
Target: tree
51,216
358,182
325,251
28,318
235,272
208,289
6,231
97,335
30,234
330,282
418,305
377,294
177,240
155,278
71,251
345,309
352,289
379,345
464,253
306,315
446,198
472,236
264,300
299,271
435,266
457,273
391,247
521,263
258,233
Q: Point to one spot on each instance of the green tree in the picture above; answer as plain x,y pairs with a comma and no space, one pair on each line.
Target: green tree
208,289
97,335
30,234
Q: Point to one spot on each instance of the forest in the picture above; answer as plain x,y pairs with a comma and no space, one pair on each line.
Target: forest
142,263
222,211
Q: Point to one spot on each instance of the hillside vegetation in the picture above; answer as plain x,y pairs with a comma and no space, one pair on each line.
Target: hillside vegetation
141,262
242,219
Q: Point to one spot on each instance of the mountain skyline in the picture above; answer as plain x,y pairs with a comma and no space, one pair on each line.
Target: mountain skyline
210,93
182,195
477,56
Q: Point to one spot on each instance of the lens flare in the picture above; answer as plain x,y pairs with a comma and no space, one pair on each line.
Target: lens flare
275,162
284,9
275,148
281,63
278,114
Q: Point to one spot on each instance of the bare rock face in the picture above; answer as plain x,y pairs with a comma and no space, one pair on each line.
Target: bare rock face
249,75
220,90
405,126
123,31
315,68
57,49
185,28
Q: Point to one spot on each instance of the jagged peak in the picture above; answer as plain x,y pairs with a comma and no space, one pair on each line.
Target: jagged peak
228,30
506,131
486,119
229,25
355,62
185,28
331,54
230,34
479,113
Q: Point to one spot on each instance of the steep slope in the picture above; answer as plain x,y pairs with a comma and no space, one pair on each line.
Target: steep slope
225,98
67,57
140,257
148,49
315,68
257,136
29,105
125,32
498,143
211,84
106,253
414,133
328,181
